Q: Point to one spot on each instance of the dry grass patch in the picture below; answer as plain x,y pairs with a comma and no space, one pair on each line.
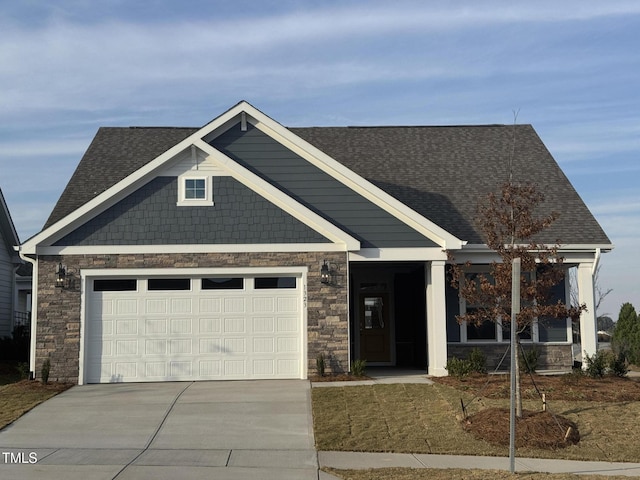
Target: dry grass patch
455,474
18,398
418,418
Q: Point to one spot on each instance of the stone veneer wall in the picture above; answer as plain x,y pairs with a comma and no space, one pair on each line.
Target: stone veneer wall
550,356
58,328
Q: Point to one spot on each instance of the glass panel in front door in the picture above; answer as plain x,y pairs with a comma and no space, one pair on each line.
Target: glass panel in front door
373,313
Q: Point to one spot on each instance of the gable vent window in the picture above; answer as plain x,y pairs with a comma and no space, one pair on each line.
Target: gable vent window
195,191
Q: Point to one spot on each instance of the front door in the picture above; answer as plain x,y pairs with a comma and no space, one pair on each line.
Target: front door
375,344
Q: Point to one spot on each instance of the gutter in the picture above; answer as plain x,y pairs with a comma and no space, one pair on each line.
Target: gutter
34,310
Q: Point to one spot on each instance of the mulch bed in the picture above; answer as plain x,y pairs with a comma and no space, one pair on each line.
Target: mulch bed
38,386
535,429
570,387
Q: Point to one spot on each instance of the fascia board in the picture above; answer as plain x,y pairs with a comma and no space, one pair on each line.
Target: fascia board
126,185
563,247
193,248
280,199
354,181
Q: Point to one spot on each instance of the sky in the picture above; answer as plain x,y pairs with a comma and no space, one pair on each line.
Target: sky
570,68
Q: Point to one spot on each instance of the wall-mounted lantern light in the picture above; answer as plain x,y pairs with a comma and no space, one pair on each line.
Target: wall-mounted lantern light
325,273
61,275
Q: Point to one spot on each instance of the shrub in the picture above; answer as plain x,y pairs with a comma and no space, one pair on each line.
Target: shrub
626,334
478,361
529,361
320,365
597,364
358,367
458,367
618,365
46,368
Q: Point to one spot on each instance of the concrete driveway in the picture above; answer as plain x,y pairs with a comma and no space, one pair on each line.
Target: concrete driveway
222,430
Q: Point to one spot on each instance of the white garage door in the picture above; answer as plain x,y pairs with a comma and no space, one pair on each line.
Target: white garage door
214,328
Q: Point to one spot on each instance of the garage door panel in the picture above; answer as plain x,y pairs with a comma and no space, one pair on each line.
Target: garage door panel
288,324
156,306
209,369
264,345
199,334
235,368
155,326
181,305
155,347
235,325
210,305
126,306
209,325
127,326
235,346
180,326
263,325
234,305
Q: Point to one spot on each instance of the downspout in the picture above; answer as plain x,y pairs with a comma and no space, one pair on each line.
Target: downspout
596,261
34,311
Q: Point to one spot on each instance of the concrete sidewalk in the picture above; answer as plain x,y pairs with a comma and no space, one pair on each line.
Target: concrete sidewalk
223,430
360,460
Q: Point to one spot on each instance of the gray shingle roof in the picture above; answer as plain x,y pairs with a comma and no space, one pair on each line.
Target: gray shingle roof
440,172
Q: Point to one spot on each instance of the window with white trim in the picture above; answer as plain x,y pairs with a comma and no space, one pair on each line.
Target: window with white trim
540,331
489,330
195,191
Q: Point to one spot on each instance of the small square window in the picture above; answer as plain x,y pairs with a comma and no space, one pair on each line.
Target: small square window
195,189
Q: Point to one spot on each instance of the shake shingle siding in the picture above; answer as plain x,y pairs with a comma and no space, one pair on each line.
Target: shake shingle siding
310,186
150,216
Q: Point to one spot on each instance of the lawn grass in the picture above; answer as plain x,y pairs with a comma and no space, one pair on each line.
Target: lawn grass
418,418
456,474
18,398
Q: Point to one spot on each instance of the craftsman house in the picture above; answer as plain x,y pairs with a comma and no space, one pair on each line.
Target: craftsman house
245,249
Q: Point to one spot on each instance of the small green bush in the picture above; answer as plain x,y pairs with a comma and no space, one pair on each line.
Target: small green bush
529,360
458,367
618,365
597,364
46,368
358,367
478,361
320,365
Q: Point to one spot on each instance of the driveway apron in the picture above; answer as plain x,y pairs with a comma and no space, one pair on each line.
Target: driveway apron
222,430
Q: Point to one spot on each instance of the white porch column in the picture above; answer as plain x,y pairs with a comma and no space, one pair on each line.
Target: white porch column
436,319
588,323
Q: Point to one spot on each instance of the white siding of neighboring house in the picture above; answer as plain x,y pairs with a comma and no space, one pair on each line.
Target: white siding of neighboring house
6,289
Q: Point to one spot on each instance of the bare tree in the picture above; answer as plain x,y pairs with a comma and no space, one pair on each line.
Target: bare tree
510,226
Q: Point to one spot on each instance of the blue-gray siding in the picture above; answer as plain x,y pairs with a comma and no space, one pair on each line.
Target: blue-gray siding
320,192
6,289
150,216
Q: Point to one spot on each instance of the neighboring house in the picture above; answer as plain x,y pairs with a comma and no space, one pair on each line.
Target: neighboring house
9,263
244,249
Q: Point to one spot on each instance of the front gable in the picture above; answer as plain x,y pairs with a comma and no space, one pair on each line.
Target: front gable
285,193
152,216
